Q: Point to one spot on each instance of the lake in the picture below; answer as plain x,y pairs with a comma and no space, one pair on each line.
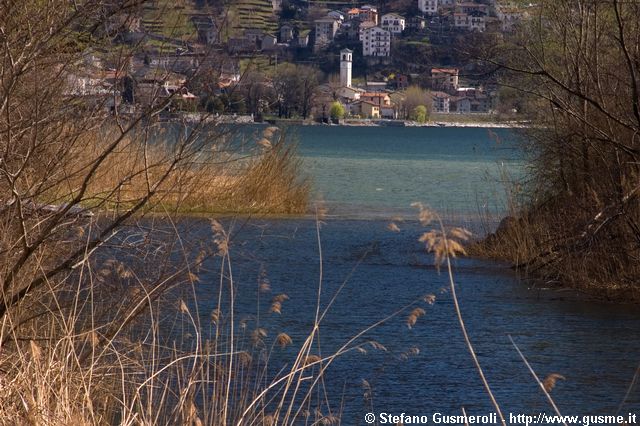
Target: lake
370,171
365,176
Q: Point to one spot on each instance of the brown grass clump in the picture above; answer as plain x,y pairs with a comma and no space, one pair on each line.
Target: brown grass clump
276,303
215,316
412,352
393,227
377,346
272,182
430,299
258,335
283,340
550,381
312,359
540,243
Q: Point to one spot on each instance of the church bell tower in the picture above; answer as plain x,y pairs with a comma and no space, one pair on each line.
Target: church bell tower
346,62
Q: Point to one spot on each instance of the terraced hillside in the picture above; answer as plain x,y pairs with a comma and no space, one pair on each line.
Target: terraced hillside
254,14
169,18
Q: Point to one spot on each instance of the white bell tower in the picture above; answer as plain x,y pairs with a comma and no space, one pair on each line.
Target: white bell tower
346,62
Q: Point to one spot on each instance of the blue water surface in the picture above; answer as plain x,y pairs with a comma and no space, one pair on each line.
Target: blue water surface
366,175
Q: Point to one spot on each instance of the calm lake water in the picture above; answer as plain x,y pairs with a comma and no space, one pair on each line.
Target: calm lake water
370,171
366,175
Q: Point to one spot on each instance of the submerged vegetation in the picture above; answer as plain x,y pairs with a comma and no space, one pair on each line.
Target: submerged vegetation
578,65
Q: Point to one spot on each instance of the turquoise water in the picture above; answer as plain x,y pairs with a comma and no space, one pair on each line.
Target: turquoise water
366,171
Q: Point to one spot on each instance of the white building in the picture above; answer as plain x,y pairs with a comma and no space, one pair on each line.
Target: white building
430,7
326,29
393,23
346,63
350,94
463,106
364,26
472,22
376,42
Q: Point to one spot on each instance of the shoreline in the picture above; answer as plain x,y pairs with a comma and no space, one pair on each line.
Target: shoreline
407,123
249,120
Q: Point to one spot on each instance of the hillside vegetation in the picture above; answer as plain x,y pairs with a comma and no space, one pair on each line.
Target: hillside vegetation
254,14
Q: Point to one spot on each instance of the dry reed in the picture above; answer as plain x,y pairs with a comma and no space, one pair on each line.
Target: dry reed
215,180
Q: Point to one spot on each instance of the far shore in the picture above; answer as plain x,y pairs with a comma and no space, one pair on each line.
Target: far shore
408,123
438,120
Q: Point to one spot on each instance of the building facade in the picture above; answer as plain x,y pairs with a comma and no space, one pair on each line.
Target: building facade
326,29
369,13
441,102
475,21
376,42
393,23
430,7
364,26
509,17
445,79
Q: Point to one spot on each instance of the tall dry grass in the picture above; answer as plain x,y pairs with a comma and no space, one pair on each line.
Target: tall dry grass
125,347
267,177
128,344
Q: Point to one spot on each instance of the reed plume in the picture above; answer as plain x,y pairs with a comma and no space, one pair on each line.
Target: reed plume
283,340
550,381
393,227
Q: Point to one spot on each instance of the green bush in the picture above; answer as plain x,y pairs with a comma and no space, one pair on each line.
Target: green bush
419,114
337,111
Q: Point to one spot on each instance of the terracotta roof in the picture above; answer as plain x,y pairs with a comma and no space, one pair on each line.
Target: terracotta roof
367,102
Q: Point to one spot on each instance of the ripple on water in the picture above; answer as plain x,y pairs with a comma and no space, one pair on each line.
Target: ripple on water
596,347
368,175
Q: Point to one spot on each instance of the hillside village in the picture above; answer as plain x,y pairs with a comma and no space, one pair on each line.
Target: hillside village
302,60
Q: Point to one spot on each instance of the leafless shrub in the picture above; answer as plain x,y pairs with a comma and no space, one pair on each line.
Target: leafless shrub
576,63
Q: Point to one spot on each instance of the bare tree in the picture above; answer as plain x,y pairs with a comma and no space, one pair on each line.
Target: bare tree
296,87
578,61
412,98
79,172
